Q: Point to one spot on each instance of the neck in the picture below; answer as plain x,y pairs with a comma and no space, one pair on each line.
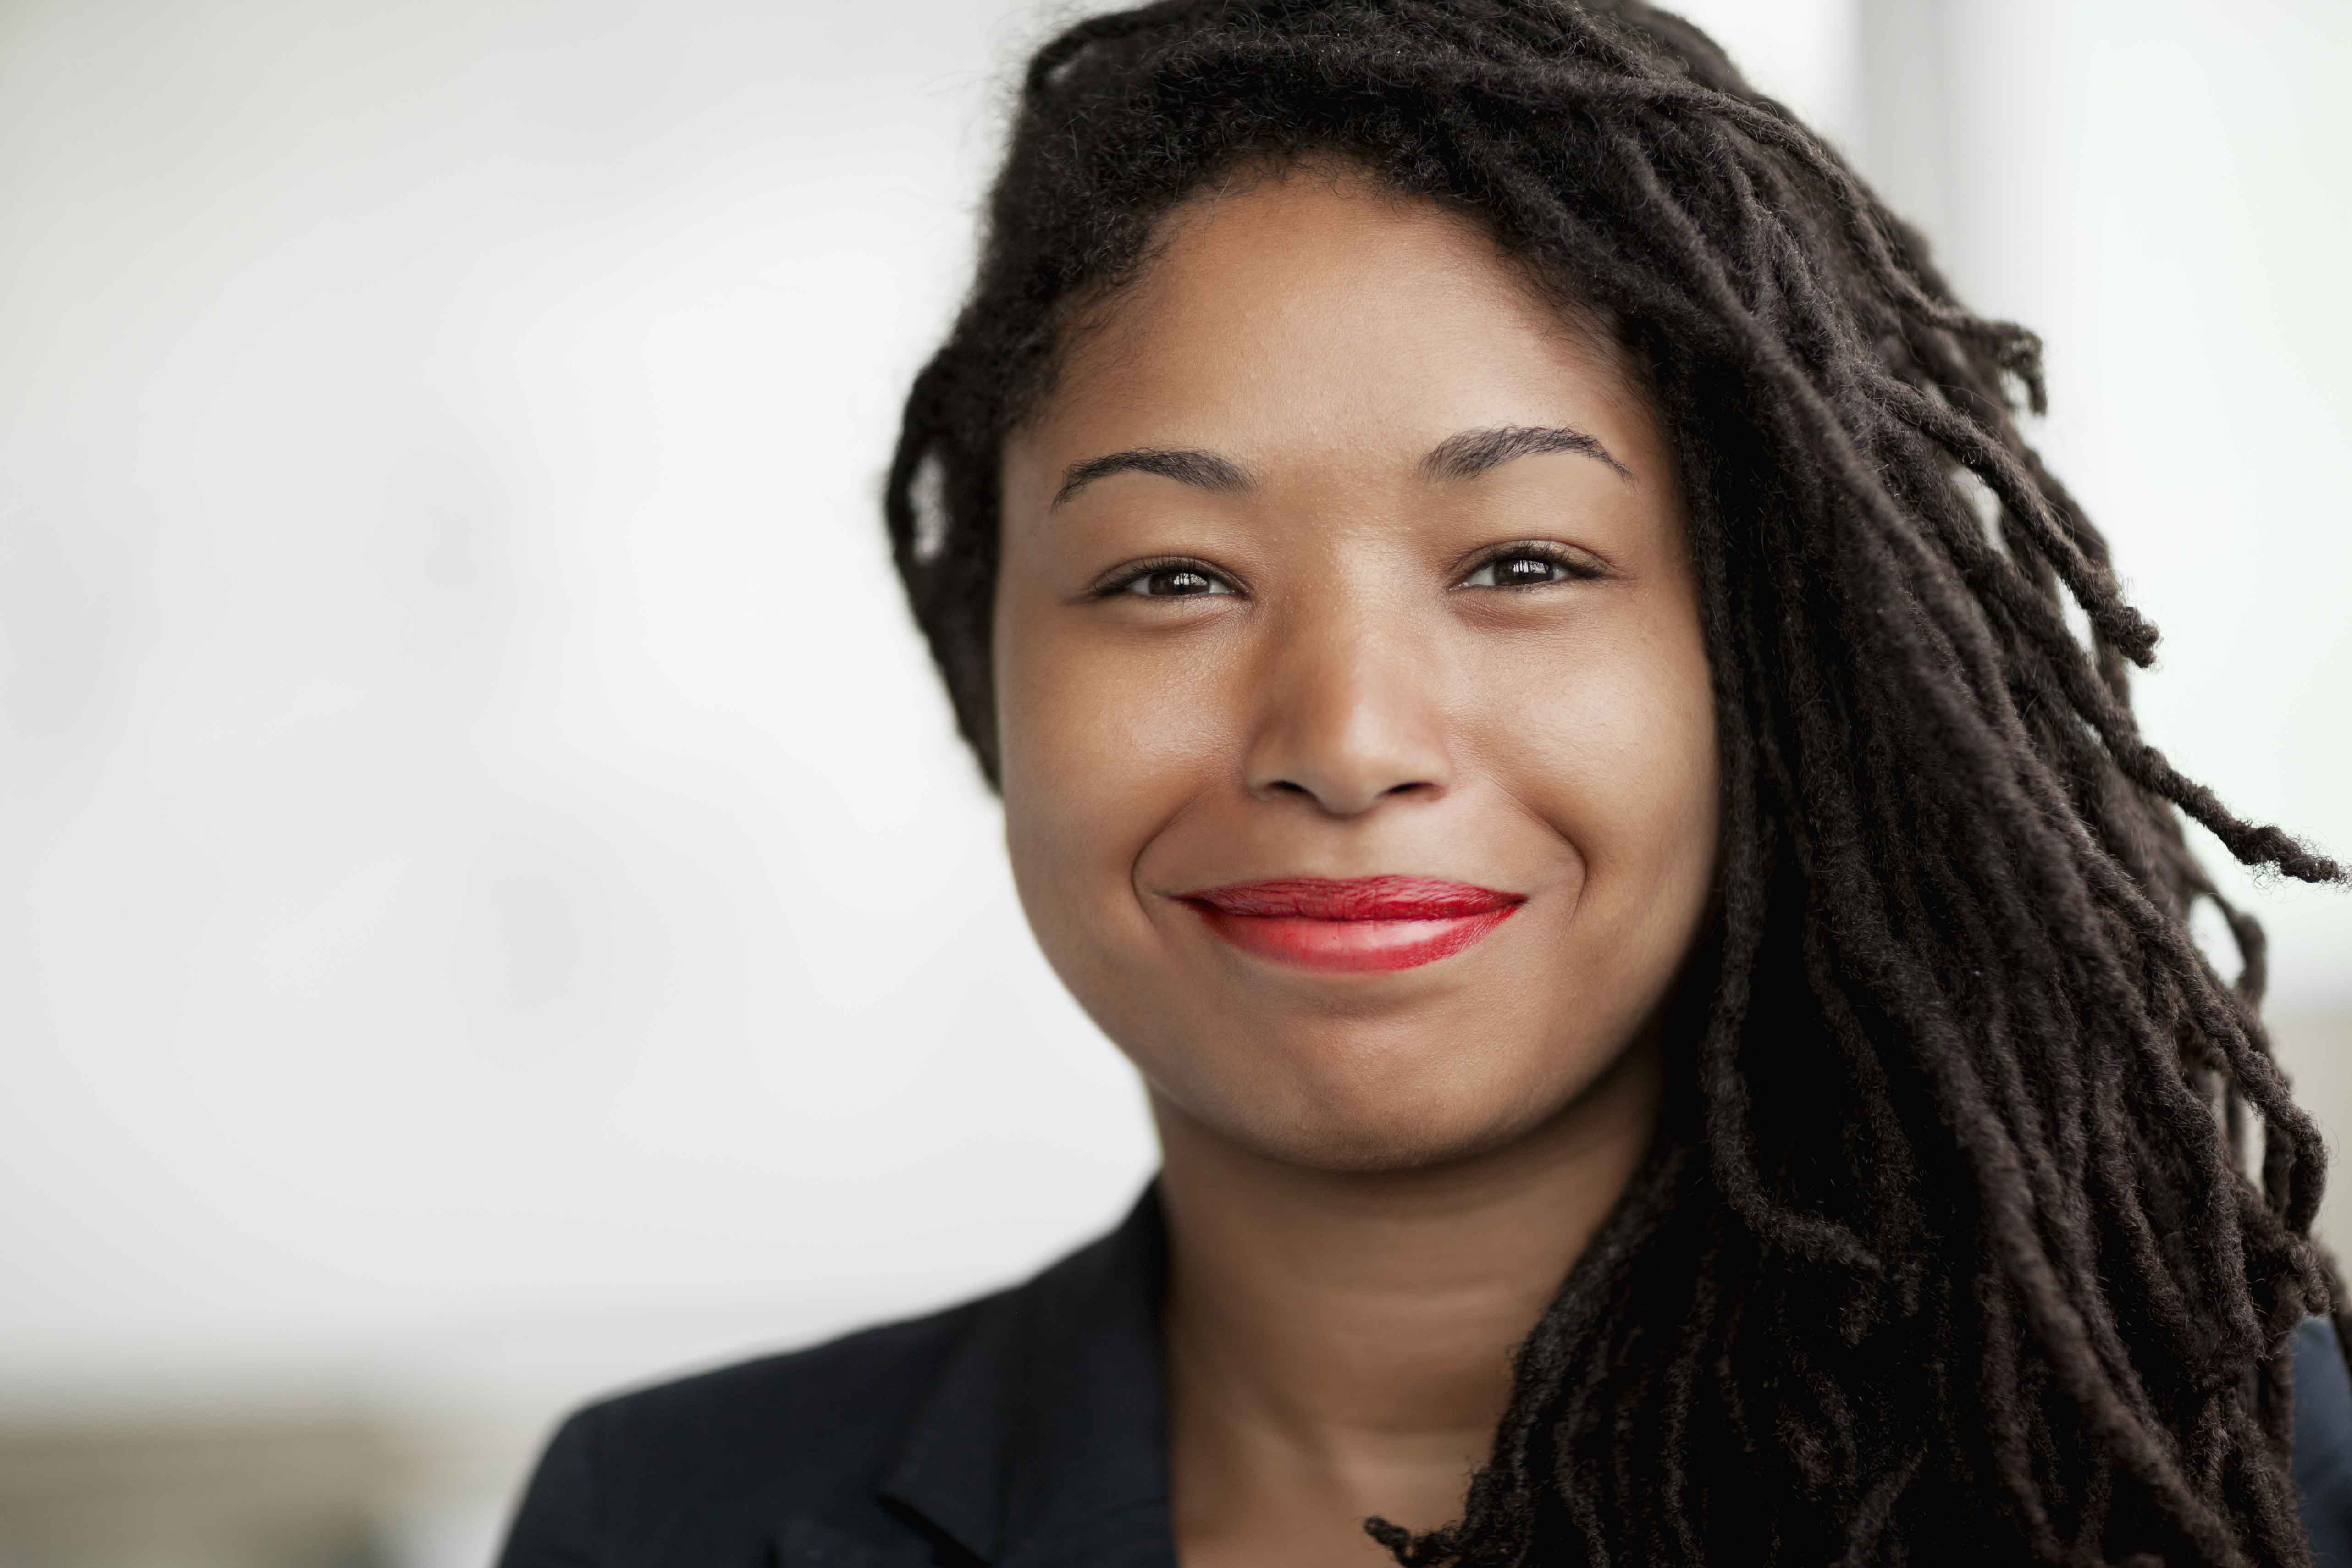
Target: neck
1339,1342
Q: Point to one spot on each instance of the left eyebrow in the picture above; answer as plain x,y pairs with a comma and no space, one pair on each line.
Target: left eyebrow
1203,471
1473,452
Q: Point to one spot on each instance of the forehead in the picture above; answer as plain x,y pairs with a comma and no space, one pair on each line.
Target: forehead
1315,313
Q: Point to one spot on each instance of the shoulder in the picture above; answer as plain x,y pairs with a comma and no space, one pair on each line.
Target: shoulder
2322,1442
871,1449
834,1400
702,1468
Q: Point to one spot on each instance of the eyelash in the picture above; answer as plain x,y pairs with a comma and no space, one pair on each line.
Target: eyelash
1129,575
1571,569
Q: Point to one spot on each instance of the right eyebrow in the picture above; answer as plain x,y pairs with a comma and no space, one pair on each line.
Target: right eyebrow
1473,452
1204,470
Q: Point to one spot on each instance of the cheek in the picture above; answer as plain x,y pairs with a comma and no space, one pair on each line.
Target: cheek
1099,747
1613,741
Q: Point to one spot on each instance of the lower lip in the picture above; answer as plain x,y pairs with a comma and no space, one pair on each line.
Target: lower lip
1352,947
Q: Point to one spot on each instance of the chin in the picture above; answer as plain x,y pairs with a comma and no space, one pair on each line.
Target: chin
1370,1121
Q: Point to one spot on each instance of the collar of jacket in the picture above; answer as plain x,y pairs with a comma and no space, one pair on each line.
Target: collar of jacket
1042,1440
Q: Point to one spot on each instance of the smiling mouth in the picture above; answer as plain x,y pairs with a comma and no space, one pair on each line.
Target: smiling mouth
1354,924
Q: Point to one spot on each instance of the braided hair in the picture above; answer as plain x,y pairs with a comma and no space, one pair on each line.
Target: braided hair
1946,1247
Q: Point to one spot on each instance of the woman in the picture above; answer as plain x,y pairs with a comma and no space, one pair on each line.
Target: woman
1527,668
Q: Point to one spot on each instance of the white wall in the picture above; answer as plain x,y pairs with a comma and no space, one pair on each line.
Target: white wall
502,908
493,852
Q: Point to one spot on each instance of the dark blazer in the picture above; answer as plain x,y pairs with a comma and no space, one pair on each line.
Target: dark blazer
1022,1430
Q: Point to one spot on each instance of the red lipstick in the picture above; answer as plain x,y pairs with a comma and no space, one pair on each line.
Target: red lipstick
1352,924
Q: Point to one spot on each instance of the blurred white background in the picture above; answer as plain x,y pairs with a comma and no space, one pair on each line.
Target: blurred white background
496,908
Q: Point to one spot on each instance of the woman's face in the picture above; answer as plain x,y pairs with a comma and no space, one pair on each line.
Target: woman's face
1357,748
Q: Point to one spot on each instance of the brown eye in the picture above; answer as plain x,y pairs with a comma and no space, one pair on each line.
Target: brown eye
1521,569
1173,582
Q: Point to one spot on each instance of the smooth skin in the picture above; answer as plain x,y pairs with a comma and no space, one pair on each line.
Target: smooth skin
1286,641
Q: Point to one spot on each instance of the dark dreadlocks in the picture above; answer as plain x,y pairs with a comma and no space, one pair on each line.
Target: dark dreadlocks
1946,1250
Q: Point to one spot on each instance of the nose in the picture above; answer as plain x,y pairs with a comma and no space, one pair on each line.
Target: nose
1350,714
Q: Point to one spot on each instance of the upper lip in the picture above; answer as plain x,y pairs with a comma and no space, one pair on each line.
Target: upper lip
1353,899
